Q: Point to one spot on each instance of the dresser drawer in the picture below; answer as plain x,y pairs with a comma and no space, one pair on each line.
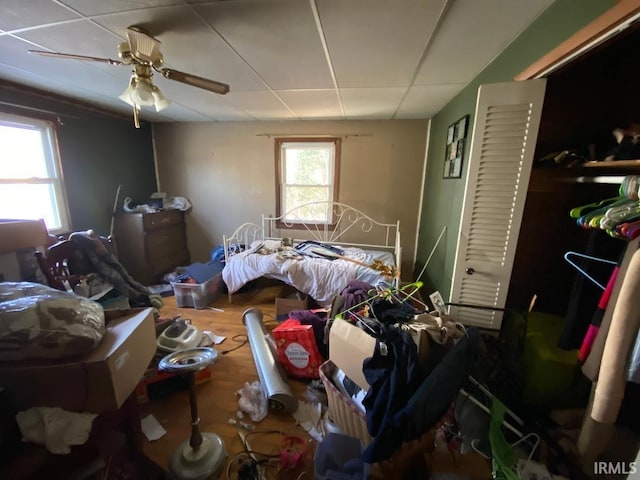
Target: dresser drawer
151,244
162,219
163,241
169,262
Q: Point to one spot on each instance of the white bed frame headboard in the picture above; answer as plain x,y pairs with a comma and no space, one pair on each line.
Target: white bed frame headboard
346,219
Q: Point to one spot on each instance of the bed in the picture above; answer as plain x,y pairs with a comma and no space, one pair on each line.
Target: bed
321,259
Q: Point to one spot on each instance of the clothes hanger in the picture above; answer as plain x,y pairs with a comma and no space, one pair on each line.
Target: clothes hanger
592,218
402,294
589,216
588,257
629,230
582,210
622,230
620,214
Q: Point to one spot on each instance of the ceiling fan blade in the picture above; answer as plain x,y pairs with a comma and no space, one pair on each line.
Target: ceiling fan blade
195,81
76,57
143,45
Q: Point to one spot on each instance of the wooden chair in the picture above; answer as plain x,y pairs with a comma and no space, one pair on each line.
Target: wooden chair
54,263
57,259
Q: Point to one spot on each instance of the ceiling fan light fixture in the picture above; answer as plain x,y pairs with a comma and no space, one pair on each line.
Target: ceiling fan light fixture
126,95
142,52
142,93
161,102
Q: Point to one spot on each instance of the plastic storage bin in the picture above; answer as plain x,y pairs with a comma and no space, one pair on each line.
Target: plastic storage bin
338,456
197,295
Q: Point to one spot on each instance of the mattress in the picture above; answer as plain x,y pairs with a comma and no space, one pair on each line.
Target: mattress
320,278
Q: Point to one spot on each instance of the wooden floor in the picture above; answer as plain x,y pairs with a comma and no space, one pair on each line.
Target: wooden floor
217,399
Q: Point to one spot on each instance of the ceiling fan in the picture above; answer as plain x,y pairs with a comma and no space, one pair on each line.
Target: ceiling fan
142,52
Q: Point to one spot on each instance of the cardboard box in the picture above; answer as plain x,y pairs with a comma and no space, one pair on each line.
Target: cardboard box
348,348
290,299
10,267
19,234
100,381
18,240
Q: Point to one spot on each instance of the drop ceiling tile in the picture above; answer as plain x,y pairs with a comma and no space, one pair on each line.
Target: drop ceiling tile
85,75
260,105
113,6
16,14
58,86
472,35
74,79
266,44
82,38
278,38
106,102
426,101
316,104
177,113
188,44
207,104
371,103
213,1
375,44
33,80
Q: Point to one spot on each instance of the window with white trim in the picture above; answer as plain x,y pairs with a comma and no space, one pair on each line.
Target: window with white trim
30,176
307,172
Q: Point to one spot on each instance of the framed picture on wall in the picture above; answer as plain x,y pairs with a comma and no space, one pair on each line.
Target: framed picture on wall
454,150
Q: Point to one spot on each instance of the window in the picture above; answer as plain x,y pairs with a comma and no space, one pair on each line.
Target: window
30,179
307,172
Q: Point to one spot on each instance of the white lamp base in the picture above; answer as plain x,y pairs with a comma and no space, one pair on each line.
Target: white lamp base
202,463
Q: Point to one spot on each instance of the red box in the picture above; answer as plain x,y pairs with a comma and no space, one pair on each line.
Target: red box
297,349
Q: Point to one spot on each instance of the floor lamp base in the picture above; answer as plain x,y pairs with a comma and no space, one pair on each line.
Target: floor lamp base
202,463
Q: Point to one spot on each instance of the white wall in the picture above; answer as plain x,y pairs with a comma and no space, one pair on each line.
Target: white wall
227,170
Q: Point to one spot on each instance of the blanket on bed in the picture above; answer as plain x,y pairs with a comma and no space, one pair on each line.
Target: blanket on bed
320,278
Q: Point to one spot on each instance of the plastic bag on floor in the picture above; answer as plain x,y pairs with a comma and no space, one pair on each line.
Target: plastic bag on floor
41,323
253,401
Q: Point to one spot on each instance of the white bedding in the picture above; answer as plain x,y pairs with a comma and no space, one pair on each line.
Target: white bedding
321,279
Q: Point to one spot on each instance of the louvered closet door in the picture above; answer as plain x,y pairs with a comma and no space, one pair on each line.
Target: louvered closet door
503,142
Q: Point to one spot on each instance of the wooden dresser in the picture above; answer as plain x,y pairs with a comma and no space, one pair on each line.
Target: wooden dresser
151,244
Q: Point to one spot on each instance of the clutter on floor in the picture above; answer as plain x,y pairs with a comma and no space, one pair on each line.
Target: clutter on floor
458,422
390,386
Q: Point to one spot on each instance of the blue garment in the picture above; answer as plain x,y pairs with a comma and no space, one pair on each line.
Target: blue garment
393,374
217,254
401,403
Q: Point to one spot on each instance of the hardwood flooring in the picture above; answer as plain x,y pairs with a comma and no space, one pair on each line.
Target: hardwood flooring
217,398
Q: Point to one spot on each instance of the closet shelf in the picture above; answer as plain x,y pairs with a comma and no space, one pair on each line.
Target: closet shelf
613,163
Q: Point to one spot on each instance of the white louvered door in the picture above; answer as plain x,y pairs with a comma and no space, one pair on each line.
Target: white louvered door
502,148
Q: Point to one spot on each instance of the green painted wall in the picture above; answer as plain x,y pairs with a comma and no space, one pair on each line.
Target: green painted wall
442,204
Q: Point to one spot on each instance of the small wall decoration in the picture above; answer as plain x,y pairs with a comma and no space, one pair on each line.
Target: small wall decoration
454,152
